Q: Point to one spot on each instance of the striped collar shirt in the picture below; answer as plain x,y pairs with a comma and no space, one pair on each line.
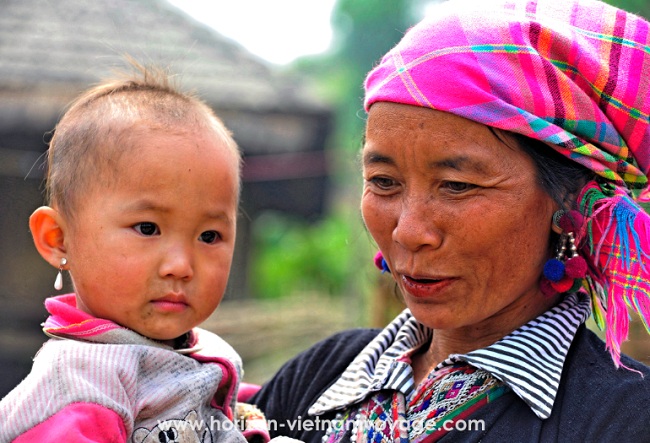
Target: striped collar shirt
529,360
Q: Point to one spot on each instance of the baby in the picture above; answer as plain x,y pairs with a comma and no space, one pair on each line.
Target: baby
143,185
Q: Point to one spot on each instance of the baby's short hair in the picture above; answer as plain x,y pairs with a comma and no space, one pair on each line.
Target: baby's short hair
100,118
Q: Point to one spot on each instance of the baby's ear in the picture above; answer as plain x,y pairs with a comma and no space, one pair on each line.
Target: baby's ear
47,229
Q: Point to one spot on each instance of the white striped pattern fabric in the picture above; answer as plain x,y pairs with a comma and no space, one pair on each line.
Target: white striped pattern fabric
529,360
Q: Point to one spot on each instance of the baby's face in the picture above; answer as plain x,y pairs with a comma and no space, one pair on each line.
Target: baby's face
152,251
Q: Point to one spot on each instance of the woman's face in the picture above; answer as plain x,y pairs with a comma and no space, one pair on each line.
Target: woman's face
459,217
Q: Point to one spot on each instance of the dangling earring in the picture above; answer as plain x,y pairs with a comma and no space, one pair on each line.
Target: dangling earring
58,283
380,262
566,270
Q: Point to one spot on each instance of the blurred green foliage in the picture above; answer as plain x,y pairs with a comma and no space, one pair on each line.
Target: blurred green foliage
295,256
639,7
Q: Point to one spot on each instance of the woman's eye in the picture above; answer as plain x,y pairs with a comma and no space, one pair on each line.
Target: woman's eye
459,186
147,228
209,237
382,182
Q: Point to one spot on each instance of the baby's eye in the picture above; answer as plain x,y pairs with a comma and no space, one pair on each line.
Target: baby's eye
209,237
147,228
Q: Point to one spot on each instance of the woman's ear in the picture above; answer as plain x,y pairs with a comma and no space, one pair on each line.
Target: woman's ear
46,225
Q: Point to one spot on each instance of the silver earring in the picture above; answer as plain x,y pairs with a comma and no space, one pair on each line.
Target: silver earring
58,283
557,216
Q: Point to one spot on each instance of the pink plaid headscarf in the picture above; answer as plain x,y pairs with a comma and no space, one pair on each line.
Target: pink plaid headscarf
572,73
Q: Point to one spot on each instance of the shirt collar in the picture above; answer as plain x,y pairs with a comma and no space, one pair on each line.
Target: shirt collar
529,360
67,321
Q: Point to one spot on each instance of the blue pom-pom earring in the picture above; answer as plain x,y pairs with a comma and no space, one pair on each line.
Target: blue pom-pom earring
554,268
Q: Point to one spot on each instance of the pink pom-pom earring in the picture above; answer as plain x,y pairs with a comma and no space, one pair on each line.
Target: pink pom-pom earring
566,270
380,262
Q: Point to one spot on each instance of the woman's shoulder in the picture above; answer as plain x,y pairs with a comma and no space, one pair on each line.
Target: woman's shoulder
347,343
590,356
598,401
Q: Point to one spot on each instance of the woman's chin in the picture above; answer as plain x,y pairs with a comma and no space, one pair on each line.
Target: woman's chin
435,317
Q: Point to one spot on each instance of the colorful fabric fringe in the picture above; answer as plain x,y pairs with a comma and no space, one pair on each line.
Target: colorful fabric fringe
574,74
617,240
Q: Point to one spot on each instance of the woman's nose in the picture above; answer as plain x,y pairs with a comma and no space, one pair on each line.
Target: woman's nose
177,262
417,225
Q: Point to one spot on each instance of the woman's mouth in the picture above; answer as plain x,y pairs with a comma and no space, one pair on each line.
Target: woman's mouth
424,286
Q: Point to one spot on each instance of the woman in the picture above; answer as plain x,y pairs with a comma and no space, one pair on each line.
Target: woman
503,144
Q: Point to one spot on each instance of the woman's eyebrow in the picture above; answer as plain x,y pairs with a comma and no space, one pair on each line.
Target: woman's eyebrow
370,158
459,163
456,163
